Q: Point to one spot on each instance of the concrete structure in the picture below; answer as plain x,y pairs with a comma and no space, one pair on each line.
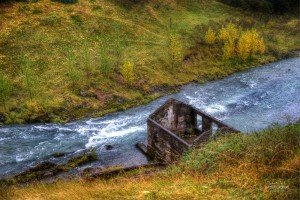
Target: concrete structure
176,127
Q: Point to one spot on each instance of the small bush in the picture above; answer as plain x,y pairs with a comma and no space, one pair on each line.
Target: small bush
250,43
210,36
228,33
127,72
228,50
244,45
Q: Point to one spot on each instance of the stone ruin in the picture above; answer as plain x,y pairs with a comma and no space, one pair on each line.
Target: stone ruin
176,127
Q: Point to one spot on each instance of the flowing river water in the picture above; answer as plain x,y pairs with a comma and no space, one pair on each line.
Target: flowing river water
248,101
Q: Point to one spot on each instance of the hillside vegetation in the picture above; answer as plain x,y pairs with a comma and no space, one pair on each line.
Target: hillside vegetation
61,61
263,165
268,6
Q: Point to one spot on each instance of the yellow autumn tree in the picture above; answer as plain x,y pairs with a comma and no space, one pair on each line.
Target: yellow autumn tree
223,34
127,72
244,46
228,50
210,36
258,46
228,33
250,43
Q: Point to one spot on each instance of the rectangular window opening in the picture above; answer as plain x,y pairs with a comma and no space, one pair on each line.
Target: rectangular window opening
199,123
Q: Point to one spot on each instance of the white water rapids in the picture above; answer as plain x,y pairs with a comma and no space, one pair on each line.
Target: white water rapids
248,101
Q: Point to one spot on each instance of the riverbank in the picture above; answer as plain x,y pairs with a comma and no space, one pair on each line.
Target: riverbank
248,101
73,70
262,165
161,91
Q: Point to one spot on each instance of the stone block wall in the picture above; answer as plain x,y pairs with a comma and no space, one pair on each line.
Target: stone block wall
173,129
164,145
176,117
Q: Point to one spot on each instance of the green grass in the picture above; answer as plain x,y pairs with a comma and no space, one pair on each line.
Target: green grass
263,165
64,60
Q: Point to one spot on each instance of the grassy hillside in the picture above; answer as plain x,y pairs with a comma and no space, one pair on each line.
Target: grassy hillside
64,61
263,165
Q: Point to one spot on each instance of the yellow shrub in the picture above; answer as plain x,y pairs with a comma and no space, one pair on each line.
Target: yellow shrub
244,46
250,43
228,50
127,72
261,46
223,34
228,33
210,36
258,45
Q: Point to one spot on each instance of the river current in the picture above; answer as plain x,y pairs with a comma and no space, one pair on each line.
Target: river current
249,101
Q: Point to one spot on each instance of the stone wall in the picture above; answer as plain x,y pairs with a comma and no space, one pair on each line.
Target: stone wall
176,117
173,129
164,145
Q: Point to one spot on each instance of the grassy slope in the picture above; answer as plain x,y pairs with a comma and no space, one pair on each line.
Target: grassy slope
96,37
263,165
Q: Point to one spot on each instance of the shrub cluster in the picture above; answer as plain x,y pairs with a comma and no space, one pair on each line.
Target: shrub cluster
250,43
243,44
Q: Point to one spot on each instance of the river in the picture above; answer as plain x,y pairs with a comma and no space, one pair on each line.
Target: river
249,101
